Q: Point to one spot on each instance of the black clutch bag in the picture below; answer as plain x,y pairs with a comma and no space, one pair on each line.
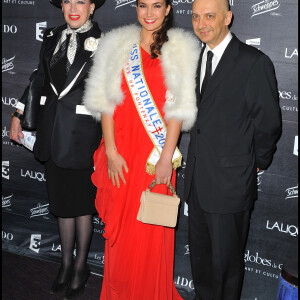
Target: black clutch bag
31,99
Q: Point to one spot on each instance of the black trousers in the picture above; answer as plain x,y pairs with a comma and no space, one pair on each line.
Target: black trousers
217,245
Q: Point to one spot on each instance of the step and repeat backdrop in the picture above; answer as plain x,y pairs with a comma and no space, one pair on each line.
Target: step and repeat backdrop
29,229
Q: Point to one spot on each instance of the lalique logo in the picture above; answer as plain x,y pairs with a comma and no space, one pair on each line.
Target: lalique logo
286,95
290,229
5,169
264,7
7,236
290,53
40,27
295,152
35,242
6,201
10,29
291,192
8,64
9,101
120,3
56,248
40,210
33,175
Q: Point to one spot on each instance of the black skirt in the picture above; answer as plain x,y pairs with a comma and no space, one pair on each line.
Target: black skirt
71,192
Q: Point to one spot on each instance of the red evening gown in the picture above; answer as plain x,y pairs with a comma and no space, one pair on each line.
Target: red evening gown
138,257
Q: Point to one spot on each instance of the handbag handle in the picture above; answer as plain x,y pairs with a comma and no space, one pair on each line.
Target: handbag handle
170,186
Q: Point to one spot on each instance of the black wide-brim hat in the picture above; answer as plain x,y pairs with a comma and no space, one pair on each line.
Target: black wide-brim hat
98,3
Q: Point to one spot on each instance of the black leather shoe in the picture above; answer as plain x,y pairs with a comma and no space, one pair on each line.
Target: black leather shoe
73,293
60,286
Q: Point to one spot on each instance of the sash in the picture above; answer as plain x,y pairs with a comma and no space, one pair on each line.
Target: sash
148,111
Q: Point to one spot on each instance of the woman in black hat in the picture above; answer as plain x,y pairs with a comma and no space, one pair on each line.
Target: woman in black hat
67,135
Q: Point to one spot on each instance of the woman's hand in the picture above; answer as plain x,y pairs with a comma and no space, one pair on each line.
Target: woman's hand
163,171
115,165
15,130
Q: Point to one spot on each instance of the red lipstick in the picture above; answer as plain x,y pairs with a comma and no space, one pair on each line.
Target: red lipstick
147,21
74,17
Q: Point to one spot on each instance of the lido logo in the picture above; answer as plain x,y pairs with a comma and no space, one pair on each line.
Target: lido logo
10,29
181,281
7,236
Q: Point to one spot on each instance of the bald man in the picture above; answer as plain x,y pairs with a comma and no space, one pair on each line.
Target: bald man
237,127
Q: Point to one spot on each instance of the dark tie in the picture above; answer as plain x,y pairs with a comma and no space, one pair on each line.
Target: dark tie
61,53
208,70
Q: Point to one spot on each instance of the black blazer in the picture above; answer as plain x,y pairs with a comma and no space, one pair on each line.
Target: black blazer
237,127
65,131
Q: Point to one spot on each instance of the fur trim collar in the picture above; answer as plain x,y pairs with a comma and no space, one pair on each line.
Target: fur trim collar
179,58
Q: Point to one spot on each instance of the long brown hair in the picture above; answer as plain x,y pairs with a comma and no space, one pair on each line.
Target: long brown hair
160,36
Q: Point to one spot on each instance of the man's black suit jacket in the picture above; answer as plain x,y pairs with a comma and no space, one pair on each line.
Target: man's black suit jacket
65,131
237,127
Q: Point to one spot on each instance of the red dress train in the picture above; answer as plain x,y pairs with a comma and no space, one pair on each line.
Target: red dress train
138,257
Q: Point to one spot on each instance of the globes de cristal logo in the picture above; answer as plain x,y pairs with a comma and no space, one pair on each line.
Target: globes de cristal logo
19,2
255,258
121,3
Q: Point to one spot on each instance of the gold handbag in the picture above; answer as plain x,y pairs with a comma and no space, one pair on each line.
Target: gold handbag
158,209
